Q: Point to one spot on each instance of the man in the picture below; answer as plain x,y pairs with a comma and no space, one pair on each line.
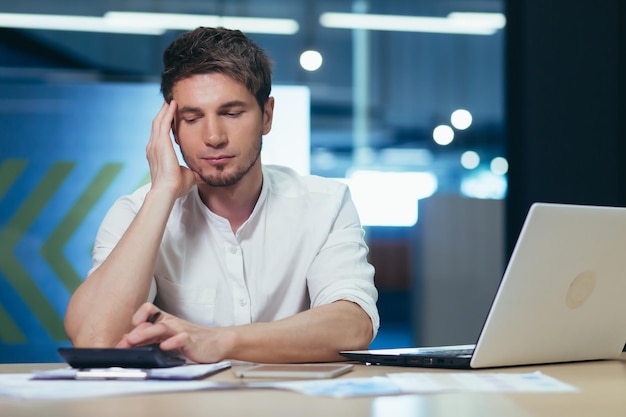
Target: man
237,260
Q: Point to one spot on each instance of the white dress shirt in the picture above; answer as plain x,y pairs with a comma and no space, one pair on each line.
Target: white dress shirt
301,247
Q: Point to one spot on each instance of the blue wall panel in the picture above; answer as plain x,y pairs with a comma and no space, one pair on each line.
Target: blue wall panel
67,151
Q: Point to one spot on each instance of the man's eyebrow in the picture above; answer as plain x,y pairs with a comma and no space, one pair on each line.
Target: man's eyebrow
233,103
189,109
227,105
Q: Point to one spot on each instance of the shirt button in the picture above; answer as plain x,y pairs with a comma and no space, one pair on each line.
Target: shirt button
243,302
233,249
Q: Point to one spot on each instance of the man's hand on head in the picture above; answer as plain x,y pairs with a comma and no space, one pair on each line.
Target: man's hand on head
165,170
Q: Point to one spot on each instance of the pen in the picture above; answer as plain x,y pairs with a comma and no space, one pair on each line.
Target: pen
154,317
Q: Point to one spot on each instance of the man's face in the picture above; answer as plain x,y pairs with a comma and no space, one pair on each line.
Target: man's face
219,127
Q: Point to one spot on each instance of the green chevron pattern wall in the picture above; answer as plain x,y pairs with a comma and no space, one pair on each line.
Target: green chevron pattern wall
66,152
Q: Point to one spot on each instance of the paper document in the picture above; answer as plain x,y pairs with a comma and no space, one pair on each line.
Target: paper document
184,372
67,383
427,383
478,382
25,387
338,388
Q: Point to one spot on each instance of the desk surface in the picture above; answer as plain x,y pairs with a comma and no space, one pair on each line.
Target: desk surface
602,387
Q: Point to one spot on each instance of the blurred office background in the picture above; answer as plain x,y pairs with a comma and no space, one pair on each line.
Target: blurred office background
447,118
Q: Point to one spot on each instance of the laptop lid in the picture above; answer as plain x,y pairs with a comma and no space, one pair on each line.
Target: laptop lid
562,297
563,294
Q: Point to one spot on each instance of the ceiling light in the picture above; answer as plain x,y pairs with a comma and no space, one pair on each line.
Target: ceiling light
461,119
145,23
179,21
311,60
470,160
499,165
495,20
443,135
71,23
454,23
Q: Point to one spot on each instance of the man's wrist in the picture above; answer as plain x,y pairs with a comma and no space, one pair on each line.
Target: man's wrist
160,196
230,341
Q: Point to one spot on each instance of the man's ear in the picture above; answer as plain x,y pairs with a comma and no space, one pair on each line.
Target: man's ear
268,115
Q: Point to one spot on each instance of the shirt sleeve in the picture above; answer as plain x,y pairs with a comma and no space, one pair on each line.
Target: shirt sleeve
341,271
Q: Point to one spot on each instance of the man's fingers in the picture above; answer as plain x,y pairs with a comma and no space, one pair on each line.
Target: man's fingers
168,118
144,313
147,333
162,123
163,119
176,342
123,343
157,122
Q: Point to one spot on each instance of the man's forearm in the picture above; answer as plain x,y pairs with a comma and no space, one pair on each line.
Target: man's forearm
100,310
314,335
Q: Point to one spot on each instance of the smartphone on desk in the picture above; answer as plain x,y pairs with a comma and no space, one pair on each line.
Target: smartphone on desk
307,371
148,356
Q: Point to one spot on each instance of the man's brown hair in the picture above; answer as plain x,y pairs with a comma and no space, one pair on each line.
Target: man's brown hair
209,50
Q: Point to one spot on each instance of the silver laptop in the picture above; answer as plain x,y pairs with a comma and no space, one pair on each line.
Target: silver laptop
562,297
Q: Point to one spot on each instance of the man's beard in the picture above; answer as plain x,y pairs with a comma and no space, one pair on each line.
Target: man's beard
226,180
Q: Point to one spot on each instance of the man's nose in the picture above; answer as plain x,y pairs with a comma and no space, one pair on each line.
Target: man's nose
214,134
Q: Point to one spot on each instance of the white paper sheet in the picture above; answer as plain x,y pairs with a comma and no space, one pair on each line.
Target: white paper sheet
24,387
61,383
427,383
478,382
185,372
